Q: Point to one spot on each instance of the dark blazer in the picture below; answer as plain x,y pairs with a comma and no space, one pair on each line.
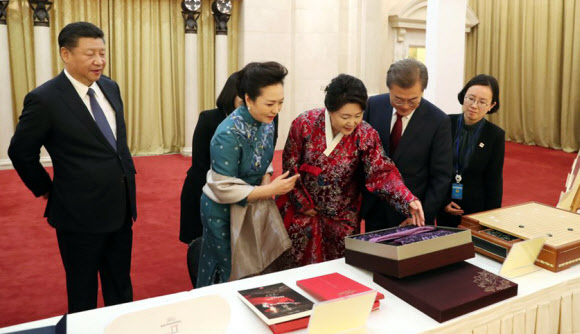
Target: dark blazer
190,220
423,157
93,186
482,179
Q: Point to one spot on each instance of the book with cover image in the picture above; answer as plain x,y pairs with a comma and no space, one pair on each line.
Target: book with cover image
276,303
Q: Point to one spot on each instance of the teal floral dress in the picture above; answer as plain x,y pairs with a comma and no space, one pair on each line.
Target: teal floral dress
242,148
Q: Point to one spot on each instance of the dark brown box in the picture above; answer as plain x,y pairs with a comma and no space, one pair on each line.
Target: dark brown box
410,266
451,291
405,260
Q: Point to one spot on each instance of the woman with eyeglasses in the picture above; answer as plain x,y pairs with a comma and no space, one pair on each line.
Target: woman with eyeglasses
478,153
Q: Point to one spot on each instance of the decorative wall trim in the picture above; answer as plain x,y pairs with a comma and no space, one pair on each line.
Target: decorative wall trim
40,9
7,163
412,15
191,9
3,11
221,10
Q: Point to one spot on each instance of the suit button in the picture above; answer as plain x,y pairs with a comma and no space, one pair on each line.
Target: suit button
122,179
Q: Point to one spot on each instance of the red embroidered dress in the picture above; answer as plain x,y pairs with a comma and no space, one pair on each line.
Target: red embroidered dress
332,185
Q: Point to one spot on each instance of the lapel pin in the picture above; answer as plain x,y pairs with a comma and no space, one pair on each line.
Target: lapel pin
481,145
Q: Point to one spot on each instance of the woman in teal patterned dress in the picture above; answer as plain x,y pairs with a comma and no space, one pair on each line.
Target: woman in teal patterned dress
242,149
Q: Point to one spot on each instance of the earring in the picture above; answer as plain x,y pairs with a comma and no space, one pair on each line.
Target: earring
249,108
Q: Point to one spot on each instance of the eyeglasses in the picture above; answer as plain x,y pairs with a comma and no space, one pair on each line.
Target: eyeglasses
397,102
481,104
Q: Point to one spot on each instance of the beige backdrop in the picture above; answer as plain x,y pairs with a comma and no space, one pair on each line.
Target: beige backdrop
533,49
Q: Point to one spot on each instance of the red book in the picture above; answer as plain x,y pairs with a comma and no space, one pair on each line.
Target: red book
289,326
332,286
294,325
323,288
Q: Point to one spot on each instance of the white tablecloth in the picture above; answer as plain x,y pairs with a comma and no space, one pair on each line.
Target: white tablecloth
546,303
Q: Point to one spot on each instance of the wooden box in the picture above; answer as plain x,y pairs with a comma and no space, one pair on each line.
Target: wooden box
495,231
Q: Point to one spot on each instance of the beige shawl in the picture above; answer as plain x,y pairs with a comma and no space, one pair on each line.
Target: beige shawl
257,232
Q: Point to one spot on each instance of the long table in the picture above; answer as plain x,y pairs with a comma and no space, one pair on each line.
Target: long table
546,303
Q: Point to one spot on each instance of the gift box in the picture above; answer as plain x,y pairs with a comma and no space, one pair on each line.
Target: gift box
451,291
496,231
448,246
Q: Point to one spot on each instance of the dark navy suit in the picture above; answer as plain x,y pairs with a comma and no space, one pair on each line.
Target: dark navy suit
92,195
423,157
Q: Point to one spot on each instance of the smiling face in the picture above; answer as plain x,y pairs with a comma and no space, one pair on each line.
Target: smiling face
346,119
86,61
477,103
268,104
405,100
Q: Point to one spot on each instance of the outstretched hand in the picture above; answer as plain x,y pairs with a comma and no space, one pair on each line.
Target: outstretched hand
417,215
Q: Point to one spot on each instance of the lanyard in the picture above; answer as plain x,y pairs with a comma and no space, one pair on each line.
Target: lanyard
470,145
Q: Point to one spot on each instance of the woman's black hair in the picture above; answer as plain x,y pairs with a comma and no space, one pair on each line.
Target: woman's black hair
482,80
227,97
345,89
255,76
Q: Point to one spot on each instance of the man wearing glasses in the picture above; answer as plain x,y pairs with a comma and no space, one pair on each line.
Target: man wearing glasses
416,135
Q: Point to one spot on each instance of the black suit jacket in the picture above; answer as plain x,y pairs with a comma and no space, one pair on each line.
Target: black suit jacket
190,219
482,179
423,157
93,186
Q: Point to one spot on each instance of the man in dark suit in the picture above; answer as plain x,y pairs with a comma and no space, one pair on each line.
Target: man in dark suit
78,117
416,136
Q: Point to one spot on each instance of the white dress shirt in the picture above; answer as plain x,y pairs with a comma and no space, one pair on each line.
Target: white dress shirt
405,120
83,90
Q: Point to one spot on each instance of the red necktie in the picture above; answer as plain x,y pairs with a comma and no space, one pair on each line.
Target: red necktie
395,135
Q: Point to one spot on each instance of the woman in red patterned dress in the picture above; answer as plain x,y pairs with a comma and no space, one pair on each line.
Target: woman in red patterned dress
336,154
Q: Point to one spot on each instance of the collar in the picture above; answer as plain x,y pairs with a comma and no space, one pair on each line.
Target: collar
81,88
331,140
408,117
245,113
473,126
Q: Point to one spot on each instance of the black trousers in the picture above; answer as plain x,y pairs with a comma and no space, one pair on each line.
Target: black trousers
86,256
445,219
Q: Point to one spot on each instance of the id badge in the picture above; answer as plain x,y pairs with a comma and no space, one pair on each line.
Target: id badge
456,191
